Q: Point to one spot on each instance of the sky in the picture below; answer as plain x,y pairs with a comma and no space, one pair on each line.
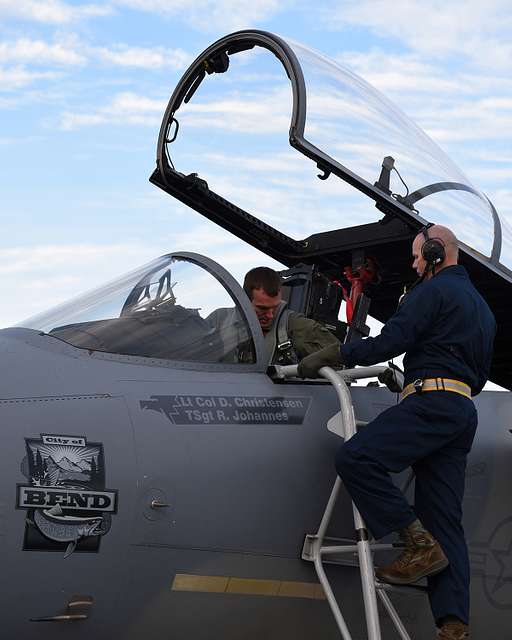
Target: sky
83,88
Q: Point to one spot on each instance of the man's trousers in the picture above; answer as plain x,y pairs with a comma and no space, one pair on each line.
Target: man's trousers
431,432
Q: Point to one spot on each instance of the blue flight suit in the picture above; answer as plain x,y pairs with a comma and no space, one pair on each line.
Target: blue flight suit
447,330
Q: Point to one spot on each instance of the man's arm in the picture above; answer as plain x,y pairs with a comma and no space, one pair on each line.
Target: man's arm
418,312
307,335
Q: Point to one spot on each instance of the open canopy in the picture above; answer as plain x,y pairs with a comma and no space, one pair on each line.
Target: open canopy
290,95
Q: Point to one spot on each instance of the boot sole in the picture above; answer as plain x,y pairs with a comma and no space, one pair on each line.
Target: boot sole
432,571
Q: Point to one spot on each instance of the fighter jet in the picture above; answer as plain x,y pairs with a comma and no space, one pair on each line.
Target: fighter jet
158,478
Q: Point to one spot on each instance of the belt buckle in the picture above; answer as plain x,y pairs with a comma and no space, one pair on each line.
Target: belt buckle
284,346
418,385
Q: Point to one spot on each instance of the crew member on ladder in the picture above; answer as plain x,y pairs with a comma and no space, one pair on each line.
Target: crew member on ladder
446,330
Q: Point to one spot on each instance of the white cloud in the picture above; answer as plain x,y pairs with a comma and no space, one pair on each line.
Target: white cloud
234,113
287,174
461,121
20,141
278,164
39,52
468,113
70,120
390,72
42,276
18,77
20,260
210,14
296,202
497,157
51,11
124,108
410,79
7,103
247,114
71,52
140,57
479,31
503,202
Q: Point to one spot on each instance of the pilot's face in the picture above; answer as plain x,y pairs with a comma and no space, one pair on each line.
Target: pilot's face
419,263
265,307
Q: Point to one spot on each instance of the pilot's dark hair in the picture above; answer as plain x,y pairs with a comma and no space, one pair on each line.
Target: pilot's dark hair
262,278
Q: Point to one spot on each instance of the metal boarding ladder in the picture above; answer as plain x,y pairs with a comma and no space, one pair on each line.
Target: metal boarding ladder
314,548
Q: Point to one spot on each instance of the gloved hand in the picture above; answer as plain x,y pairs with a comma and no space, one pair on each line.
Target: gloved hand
329,356
392,380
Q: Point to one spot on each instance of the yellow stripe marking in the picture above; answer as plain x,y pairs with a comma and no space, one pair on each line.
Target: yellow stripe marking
250,586
209,584
247,586
302,590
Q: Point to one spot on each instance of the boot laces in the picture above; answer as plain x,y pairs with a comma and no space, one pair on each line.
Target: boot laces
453,631
410,548
418,538
414,542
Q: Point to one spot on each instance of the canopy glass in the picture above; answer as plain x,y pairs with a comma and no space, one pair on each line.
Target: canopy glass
356,125
241,117
172,308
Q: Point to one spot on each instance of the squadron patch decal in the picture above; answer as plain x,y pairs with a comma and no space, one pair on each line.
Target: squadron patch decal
68,505
229,410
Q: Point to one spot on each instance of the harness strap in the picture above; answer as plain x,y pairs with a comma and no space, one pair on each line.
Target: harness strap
278,346
282,329
285,353
437,384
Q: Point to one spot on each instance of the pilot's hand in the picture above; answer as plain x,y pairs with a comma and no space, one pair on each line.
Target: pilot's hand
329,356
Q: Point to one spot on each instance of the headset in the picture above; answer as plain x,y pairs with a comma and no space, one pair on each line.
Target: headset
432,250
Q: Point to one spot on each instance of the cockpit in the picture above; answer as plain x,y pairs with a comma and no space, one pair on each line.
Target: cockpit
168,309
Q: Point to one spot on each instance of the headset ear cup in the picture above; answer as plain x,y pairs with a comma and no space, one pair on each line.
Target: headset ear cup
433,251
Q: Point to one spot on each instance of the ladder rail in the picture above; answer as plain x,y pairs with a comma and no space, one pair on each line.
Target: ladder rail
392,613
331,598
338,380
348,420
317,552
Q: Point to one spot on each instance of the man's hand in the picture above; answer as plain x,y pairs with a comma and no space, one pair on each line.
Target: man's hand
393,379
327,357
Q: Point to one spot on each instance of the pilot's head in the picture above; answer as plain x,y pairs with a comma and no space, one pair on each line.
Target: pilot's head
433,249
263,287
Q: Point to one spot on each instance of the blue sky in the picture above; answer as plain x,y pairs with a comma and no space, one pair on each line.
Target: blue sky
83,87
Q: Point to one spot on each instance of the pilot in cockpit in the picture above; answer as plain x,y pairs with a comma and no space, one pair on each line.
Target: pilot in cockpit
289,336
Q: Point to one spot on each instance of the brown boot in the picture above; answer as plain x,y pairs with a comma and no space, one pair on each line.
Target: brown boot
453,630
422,557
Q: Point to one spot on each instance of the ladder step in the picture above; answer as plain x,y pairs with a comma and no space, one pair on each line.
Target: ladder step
413,589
